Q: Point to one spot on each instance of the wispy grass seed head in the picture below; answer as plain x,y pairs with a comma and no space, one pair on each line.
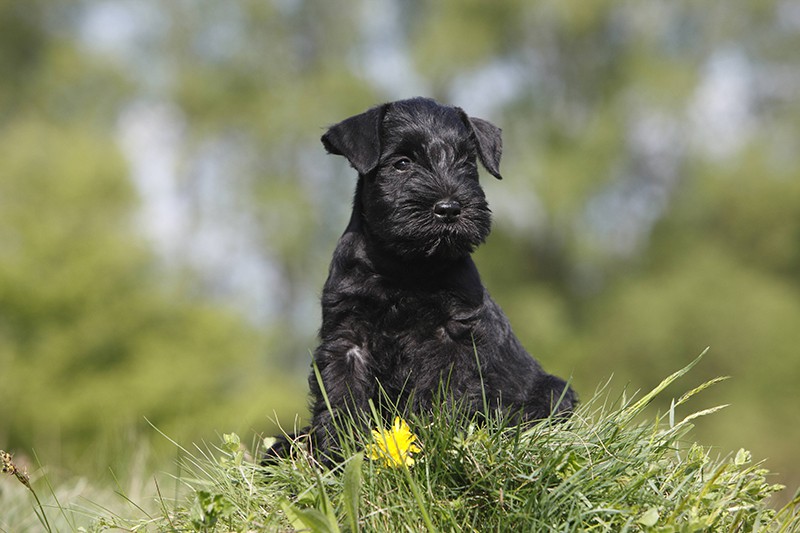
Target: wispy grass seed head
10,468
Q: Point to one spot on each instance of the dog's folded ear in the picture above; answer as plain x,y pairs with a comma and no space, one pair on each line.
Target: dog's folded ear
490,143
358,139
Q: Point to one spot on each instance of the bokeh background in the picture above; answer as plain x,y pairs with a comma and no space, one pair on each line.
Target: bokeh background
167,212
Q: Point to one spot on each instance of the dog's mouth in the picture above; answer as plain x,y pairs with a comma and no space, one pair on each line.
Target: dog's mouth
454,239
449,230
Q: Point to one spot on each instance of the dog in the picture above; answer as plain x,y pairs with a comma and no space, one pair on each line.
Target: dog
405,316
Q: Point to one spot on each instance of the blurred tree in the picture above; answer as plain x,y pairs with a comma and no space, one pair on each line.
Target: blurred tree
94,334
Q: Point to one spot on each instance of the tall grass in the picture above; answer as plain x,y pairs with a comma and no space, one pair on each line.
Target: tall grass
608,468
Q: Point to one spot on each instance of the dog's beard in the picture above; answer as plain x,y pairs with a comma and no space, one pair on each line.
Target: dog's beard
412,231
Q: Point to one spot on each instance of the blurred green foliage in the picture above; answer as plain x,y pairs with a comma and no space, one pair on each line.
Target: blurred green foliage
650,206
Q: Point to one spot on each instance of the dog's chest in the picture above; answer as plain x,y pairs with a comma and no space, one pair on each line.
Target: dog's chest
423,317
409,328
401,320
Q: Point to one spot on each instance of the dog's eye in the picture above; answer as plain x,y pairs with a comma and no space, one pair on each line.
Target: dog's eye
402,164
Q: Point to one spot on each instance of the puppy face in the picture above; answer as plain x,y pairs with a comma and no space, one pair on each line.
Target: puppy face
420,196
424,199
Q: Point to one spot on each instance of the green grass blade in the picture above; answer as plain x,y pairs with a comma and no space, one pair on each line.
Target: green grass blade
351,489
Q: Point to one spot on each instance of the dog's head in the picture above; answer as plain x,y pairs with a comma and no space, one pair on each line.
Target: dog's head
419,194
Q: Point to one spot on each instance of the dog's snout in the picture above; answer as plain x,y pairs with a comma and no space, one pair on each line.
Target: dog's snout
447,210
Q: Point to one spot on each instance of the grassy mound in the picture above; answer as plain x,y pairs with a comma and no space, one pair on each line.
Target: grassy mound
603,470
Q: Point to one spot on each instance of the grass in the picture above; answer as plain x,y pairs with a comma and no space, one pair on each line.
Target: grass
608,468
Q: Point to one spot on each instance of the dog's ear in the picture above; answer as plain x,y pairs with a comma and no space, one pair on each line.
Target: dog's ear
358,139
490,143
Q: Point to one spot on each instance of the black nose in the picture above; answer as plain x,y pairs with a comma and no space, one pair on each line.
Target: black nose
447,210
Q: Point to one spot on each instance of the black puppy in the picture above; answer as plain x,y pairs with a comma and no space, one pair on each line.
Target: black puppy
404,313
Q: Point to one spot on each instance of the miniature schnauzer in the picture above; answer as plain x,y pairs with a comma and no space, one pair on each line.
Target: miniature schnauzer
405,316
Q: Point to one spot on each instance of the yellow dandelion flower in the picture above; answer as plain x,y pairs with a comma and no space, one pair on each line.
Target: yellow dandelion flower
394,446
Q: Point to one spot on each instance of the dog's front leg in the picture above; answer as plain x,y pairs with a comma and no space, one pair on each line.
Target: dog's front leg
340,390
